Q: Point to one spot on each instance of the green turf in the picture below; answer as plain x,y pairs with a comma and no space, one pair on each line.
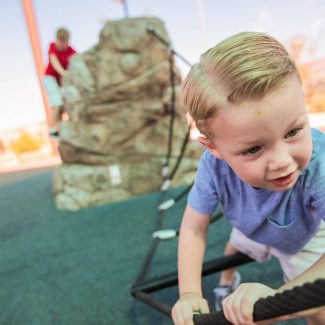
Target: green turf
76,267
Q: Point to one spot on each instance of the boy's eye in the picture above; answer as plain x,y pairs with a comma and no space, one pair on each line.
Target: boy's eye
292,133
252,150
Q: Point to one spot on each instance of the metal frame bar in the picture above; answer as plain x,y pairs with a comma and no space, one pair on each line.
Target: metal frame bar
141,290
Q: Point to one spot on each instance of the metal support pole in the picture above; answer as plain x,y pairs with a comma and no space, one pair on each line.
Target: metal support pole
126,9
154,303
38,59
209,267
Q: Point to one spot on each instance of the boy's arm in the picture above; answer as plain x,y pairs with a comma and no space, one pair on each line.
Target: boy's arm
191,248
238,307
57,65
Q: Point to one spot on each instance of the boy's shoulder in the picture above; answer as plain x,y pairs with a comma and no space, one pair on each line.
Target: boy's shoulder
216,166
209,159
318,144
315,171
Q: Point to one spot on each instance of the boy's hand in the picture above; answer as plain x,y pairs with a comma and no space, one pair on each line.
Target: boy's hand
182,312
238,307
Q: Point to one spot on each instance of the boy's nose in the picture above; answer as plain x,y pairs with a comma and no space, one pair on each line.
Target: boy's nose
280,160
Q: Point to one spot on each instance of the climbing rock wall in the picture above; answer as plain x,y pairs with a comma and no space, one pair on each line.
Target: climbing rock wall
118,98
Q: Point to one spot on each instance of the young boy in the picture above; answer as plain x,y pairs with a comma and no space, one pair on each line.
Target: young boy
263,164
59,54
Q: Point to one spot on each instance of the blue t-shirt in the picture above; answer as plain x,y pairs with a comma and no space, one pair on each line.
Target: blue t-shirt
284,220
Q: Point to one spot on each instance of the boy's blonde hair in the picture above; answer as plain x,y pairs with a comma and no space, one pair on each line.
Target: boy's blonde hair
62,34
244,66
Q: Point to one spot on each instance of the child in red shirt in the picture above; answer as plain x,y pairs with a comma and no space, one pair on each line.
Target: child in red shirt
59,54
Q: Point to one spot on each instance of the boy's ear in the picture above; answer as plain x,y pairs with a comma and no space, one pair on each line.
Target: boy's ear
206,143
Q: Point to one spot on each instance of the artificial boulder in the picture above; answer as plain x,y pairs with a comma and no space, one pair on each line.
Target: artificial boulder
119,99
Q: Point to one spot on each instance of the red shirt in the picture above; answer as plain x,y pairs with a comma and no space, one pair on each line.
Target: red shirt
63,57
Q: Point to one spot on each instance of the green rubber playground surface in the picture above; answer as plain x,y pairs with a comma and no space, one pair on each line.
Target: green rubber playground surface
77,267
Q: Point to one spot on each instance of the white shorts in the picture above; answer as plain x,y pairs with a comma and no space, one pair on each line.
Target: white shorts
292,265
53,91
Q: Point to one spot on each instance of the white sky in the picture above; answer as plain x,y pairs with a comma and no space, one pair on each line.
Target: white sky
193,25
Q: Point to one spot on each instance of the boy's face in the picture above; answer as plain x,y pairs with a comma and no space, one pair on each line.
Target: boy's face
266,142
61,45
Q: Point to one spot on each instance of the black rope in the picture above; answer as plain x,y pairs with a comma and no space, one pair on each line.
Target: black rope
180,157
307,296
159,223
171,109
160,214
183,193
147,123
151,29
154,244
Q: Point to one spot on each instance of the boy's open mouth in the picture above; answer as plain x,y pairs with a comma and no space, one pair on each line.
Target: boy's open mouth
283,181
